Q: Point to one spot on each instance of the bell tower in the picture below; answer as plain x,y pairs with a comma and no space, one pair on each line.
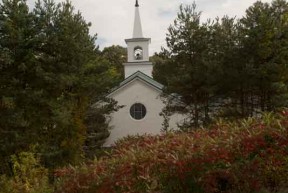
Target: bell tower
138,49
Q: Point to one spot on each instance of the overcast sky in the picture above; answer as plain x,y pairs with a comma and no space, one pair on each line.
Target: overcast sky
113,20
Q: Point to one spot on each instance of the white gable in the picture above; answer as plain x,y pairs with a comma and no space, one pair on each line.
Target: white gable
123,124
146,92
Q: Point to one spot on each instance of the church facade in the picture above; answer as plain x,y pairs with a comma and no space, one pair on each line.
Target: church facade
139,94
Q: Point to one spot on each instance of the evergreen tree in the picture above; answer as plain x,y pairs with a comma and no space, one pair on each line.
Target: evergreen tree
229,77
116,56
18,126
187,43
225,67
161,69
97,123
51,71
264,43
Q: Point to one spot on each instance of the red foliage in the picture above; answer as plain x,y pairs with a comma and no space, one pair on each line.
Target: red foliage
231,157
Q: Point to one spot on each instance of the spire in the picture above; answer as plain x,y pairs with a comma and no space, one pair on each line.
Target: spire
137,31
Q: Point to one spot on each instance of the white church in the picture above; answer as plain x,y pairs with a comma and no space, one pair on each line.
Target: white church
138,93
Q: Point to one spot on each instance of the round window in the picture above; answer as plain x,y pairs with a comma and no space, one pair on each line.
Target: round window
138,111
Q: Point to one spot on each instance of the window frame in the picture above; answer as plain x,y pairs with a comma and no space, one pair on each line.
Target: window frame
138,111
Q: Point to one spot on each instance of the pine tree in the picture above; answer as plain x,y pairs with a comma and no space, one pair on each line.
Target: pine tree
51,71
116,56
187,43
264,48
226,67
17,66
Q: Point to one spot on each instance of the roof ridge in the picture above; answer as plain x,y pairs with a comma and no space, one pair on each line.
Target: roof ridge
144,77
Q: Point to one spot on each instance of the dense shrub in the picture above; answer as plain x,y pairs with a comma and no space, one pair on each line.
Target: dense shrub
28,175
247,156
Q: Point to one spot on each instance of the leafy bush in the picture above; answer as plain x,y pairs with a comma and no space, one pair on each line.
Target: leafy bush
246,156
28,175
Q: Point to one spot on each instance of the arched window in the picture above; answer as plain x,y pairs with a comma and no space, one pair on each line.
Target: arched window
138,111
138,53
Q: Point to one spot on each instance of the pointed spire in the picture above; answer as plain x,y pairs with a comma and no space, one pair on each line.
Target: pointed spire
137,31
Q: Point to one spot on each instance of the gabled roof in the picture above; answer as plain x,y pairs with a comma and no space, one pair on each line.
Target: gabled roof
141,76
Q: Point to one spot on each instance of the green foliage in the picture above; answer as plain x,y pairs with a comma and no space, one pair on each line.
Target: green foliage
188,66
51,71
243,156
225,67
98,126
116,55
264,41
6,185
161,69
17,62
28,175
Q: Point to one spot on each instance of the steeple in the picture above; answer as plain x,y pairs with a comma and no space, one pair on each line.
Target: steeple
138,49
137,31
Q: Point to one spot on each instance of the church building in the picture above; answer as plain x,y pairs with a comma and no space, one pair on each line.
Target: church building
138,93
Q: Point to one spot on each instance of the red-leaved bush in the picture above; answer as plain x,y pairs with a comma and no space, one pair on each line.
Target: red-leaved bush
248,156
